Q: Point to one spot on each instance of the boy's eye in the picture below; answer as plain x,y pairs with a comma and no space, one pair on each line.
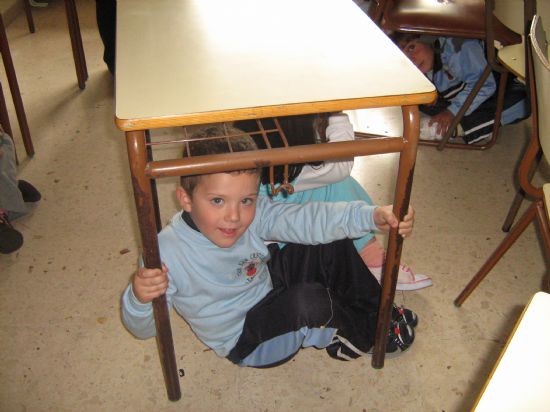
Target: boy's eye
216,201
410,48
248,201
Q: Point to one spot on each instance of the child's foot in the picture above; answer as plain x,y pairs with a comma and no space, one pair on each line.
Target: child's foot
35,3
342,349
406,279
28,191
10,239
400,338
401,314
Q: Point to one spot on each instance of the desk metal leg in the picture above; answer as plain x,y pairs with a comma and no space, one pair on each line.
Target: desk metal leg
407,161
14,88
137,156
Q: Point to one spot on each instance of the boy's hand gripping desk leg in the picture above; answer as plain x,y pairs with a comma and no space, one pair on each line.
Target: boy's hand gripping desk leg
407,159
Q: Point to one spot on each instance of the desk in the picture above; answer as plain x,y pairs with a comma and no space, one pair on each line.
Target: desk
203,61
519,381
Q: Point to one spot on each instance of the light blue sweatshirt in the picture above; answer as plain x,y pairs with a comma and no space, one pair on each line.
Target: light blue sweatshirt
213,288
463,64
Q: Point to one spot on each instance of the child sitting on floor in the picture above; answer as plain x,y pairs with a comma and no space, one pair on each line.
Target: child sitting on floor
17,197
327,181
454,66
254,304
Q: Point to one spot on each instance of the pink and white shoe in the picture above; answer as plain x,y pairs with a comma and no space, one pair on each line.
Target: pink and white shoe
406,279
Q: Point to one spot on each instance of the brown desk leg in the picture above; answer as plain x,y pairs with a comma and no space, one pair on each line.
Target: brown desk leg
407,160
137,156
76,43
14,88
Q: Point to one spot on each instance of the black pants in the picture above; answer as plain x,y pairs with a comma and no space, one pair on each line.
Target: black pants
106,23
314,286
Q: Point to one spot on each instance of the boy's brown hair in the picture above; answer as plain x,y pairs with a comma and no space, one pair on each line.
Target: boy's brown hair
210,141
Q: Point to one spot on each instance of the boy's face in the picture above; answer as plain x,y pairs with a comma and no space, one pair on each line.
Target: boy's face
420,54
222,205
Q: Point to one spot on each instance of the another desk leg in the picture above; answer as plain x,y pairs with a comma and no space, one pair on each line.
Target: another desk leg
14,88
137,156
407,160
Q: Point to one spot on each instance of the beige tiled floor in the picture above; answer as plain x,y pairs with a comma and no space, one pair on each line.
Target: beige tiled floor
63,347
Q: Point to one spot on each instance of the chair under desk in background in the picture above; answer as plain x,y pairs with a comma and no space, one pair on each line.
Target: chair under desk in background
187,63
472,19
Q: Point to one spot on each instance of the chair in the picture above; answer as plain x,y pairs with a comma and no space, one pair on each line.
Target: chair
539,81
465,19
515,60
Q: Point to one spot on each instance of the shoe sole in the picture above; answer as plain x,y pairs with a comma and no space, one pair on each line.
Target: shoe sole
421,284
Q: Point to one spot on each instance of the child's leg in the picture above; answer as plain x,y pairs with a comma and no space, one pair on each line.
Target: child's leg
318,291
354,294
11,198
283,322
373,254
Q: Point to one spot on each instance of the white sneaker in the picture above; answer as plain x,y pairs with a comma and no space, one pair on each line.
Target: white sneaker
428,132
406,279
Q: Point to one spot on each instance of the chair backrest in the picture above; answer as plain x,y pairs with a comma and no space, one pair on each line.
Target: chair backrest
541,67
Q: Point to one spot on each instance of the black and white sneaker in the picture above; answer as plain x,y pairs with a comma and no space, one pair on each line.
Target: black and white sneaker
28,191
342,349
399,313
10,239
400,338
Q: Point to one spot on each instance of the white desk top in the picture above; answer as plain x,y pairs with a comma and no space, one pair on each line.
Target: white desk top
201,61
520,380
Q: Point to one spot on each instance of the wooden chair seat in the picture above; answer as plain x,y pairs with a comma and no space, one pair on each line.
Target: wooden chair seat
513,58
465,18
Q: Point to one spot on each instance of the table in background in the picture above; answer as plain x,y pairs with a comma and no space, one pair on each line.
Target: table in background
182,63
519,381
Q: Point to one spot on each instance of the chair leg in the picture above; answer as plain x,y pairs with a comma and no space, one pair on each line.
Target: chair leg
513,211
506,243
14,88
465,106
544,226
500,105
28,13
5,121
4,117
532,159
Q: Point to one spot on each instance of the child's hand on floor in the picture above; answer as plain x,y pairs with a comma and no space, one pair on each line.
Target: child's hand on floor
149,284
385,219
443,121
